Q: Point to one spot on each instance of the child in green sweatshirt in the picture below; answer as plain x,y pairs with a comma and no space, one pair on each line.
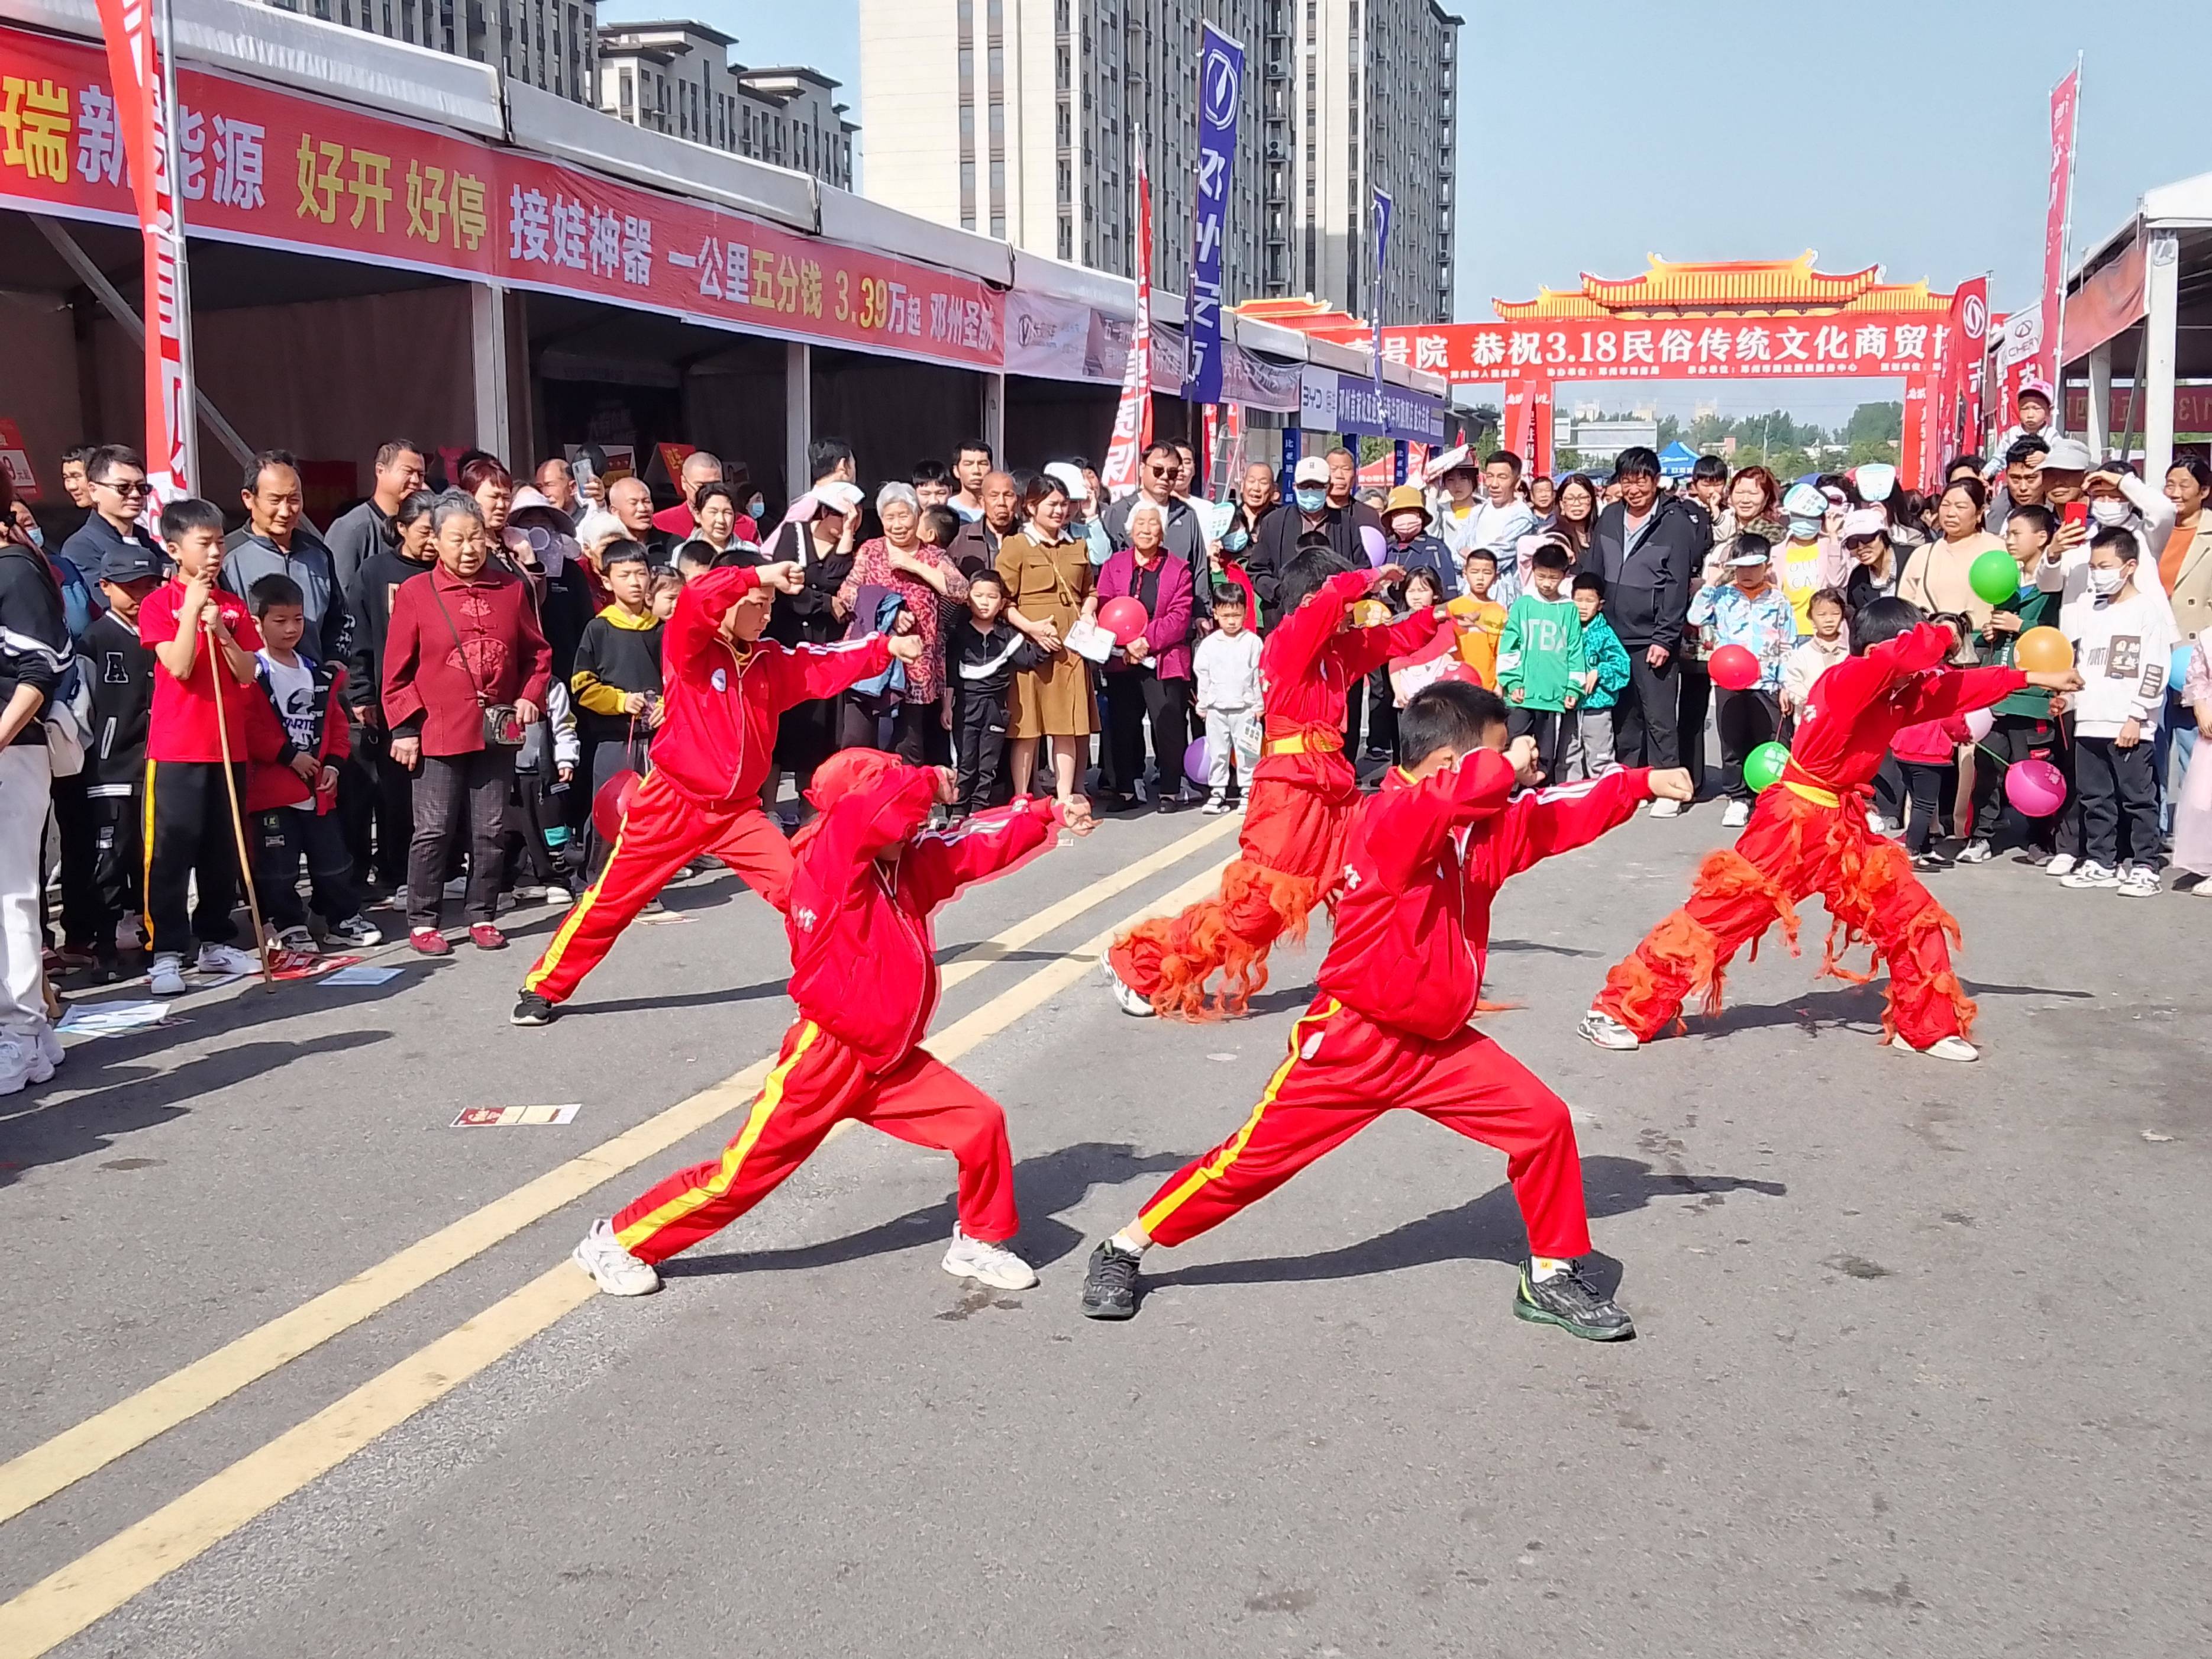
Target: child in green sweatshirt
1541,661
1605,677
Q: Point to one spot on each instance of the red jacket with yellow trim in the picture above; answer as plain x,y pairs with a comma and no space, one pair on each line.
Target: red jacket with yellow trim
723,700
1855,711
1426,859
867,880
1309,665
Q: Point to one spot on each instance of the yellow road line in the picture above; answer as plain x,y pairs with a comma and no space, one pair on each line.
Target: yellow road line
37,1474
101,1580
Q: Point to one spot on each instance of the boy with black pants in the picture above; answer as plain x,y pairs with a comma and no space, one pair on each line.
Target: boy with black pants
119,670
196,632
293,800
616,684
985,651
2122,642
2021,726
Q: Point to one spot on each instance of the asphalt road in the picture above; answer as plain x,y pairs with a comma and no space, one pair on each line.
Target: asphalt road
1920,1370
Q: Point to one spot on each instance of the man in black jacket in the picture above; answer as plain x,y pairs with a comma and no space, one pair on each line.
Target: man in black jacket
1650,548
1285,528
356,536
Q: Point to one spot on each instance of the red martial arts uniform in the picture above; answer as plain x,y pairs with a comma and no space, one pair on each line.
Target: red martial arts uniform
1303,790
864,974
710,756
1808,835
1402,980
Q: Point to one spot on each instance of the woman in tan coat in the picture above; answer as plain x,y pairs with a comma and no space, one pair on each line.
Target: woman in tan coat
1935,576
1047,574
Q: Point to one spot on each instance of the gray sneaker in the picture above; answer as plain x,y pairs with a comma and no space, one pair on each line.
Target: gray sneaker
1606,1032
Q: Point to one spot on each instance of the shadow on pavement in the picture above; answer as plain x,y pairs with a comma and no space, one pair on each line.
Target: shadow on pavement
1848,1006
1044,1186
1486,1229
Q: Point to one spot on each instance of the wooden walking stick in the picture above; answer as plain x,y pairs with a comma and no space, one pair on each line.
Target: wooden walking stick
219,667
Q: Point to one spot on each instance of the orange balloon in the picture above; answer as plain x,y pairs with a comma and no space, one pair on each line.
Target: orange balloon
2042,651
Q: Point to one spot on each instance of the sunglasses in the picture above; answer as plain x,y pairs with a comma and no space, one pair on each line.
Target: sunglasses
1853,543
134,487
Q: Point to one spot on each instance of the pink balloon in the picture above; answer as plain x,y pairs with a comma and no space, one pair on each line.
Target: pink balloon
2036,788
1124,618
1980,724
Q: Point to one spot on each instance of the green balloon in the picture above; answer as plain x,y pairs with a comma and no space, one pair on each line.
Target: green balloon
1994,576
1762,767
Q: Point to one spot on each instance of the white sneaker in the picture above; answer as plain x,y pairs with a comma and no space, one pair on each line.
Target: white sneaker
1215,805
1735,815
1947,1048
1606,1031
1666,809
227,959
2140,882
168,979
613,1268
31,1059
1977,851
994,1264
1124,993
15,1070
50,1044
1876,824
299,940
2091,874
2059,863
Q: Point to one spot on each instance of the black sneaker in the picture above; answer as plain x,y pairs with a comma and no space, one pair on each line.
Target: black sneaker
1565,1300
531,1009
1109,1285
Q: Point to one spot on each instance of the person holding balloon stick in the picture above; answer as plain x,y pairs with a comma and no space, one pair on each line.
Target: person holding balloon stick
2024,726
1808,835
1291,846
1754,627
724,689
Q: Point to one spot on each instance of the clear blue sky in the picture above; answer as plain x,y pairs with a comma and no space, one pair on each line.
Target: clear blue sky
1907,133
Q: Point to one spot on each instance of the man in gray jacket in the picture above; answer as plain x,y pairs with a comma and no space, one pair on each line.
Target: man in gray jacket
278,541
357,535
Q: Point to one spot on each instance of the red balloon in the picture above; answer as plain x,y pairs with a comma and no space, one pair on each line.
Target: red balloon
1124,618
1734,668
612,804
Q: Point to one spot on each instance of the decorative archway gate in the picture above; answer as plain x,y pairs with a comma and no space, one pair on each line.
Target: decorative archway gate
1737,321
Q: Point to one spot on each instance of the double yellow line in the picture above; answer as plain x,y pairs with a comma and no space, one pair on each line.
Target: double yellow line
104,1579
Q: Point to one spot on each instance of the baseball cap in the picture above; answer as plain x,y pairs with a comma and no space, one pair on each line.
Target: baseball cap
1312,469
1750,556
1865,521
128,563
2066,455
2033,388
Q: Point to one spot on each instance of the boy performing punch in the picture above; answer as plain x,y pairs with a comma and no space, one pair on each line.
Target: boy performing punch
1402,979
724,688
864,974
1808,835
1291,847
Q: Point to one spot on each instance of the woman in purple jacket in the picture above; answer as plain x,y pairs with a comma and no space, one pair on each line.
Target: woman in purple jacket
1150,678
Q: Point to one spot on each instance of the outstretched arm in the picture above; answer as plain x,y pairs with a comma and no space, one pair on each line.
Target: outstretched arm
1541,824
1300,638
943,862
804,672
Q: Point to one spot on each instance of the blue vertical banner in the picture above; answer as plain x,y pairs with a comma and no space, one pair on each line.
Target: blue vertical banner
1293,445
1382,229
1220,91
1398,458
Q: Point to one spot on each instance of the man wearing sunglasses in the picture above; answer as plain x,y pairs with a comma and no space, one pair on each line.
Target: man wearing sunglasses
118,479
1156,476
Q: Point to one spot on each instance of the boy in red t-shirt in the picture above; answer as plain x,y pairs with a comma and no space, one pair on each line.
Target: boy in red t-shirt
1398,989
196,631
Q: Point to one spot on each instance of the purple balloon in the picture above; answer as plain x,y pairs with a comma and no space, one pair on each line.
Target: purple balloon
1371,539
1197,762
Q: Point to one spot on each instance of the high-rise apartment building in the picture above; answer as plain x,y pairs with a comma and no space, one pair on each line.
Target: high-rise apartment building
1018,119
549,44
676,77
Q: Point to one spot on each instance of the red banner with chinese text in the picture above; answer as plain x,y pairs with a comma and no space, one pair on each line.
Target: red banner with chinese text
1968,357
2065,97
281,170
1870,343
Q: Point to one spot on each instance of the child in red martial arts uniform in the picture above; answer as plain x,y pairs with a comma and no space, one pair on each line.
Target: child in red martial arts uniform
1402,979
724,688
1808,835
864,974
1291,846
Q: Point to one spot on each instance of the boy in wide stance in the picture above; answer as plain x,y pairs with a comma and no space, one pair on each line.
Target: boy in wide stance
867,880
1398,987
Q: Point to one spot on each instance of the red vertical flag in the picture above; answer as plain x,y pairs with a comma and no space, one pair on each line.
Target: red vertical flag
134,60
1969,356
1132,421
2065,98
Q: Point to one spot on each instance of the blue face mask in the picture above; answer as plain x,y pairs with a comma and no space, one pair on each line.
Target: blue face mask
38,536
1804,530
1235,542
1310,501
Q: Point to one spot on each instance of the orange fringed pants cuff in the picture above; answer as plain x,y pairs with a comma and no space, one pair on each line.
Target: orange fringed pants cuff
1793,848
1170,959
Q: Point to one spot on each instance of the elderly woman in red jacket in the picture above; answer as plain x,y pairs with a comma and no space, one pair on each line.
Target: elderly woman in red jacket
1150,678
466,670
